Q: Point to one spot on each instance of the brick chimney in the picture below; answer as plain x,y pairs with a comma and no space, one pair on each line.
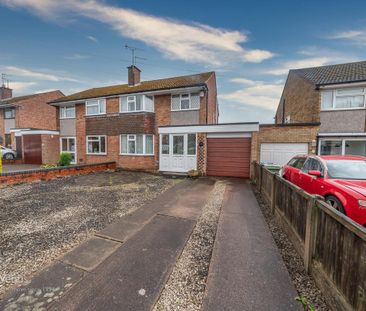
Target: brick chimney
133,75
5,92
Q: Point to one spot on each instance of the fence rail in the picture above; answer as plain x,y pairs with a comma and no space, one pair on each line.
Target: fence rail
333,246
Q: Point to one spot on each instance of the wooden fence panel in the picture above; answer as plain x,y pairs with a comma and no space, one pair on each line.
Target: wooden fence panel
293,204
340,251
332,245
267,179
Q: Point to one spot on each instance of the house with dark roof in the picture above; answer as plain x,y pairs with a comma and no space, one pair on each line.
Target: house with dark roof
30,116
158,125
334,98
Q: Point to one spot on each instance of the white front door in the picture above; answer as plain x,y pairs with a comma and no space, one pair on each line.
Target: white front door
68,144
178,152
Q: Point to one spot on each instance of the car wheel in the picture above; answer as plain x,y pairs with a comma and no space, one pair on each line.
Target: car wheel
335,203
9,156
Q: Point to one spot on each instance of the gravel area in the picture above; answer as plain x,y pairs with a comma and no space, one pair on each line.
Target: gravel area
303,282
186,285
41,221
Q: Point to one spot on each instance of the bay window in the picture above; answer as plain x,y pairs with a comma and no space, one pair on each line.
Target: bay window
96,145
136,103
347,98
185,102
95,107
137,144
67,112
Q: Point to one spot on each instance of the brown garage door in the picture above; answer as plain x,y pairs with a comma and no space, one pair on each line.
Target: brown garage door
228,157
32,146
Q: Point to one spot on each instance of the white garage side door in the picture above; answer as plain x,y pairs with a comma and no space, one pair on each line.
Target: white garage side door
281,153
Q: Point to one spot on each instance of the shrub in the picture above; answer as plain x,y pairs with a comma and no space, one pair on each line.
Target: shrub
65,159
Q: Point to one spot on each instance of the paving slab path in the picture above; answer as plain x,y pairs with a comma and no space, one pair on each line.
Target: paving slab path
246,271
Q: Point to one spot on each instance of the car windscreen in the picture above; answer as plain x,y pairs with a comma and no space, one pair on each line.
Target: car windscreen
346,169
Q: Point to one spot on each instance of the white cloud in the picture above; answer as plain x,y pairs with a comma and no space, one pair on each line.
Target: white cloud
191,42
23,72
255,93
92,38
301,63
355,36
21,86
76,57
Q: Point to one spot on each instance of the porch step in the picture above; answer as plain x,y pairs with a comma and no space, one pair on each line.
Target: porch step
174,174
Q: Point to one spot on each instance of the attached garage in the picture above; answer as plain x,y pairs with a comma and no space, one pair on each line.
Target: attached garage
281,153
228,156
213,150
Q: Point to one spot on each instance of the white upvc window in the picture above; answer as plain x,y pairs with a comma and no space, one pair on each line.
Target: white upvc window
95,107
187,101
343,99
136,103
96,144
67,112
137,144
342,146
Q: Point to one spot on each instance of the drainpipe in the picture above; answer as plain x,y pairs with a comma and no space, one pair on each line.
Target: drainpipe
283,111
206,89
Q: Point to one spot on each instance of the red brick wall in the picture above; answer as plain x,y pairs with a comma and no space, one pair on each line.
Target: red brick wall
302,101
212,100
48,174
112,105
36,113
80,133
50,149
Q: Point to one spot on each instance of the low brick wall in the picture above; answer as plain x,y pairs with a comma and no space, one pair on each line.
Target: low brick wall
52,173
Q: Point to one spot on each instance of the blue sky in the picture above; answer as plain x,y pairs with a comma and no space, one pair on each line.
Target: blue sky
73,45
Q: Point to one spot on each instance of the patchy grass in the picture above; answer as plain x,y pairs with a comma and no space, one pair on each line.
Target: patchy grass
41,221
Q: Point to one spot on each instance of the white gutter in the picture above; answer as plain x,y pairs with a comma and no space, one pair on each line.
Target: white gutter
20,132
216,128
332,86
157,92
341,134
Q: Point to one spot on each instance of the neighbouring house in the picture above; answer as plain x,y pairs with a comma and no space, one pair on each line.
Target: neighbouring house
29,125
167,125
323,110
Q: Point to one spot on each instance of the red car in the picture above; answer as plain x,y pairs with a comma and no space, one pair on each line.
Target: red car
341,180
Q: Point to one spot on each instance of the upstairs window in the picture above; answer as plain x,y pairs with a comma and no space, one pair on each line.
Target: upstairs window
9,113
67,112
185,102
95,107
136,103
347,98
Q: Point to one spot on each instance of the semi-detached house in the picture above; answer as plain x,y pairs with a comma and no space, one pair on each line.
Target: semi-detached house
333,96
167,125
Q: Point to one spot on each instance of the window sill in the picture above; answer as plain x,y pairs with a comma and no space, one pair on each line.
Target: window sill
97,154
181,110
96,115
138,111
343,109
136,155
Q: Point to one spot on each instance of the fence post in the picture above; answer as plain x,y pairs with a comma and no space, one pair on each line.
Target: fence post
273,193
260,178
310,233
